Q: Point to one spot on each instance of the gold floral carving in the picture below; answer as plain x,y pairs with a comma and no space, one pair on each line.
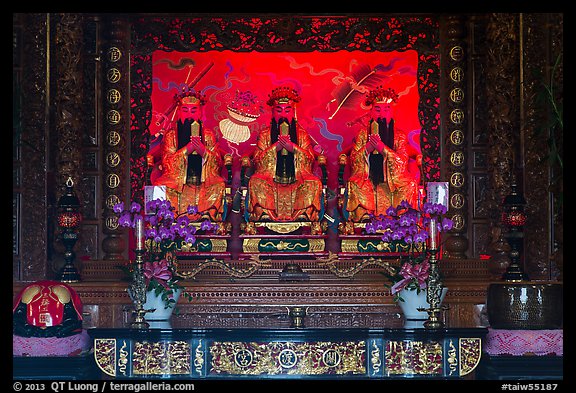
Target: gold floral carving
105,355
470,353
291,358
413,357
161,358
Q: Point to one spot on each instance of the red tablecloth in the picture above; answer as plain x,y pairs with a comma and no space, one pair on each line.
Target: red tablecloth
524,342
75,345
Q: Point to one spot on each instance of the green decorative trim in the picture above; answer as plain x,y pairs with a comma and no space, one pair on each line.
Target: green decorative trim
281,245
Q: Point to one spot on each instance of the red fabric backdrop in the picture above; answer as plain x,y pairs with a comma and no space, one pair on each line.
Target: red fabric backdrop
317,76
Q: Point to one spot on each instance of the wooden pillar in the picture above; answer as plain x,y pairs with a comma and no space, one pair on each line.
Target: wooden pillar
30,137
456,126
115,120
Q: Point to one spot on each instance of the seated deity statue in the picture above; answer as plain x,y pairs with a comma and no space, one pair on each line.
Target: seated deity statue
185,157
283,186
379,172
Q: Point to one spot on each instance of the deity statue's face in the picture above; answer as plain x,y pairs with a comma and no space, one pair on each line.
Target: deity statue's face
283,111
190,111
381,110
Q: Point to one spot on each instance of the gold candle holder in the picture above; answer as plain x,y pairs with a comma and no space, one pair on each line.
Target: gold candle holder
138,290
433,294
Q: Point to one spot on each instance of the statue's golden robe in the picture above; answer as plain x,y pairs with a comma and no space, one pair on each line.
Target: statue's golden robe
208,196
300,200
363,196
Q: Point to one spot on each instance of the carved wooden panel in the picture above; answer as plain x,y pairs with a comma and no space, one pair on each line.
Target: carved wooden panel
221,304
32,246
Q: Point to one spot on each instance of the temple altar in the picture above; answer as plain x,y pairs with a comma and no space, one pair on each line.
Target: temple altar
384,350
297,297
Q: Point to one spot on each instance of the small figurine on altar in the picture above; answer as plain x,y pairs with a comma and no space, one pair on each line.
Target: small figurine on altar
283,186
379,173
188,161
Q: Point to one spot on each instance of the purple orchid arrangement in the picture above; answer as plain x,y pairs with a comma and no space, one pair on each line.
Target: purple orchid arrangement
164,233
413,227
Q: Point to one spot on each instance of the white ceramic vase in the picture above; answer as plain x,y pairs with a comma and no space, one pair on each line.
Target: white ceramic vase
412,302
155,301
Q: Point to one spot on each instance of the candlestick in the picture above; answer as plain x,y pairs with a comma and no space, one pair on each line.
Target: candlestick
139,230
138,288
433,234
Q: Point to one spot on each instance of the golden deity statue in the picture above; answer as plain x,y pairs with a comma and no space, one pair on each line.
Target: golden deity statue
283,186
186,158
379,173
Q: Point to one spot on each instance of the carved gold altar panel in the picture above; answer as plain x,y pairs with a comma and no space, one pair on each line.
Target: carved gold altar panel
287,353
293,358
161,358
414,357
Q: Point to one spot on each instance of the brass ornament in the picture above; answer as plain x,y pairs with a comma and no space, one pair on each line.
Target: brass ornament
113,138
457,74
457,116
113,75
457,137
113,117
457,201
457,53
457,95
112,180
457,179
457,158
112,159
330,263
288,358
114,54
458,220
112,222
113,96
112,200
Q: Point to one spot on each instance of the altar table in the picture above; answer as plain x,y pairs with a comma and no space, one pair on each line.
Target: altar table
314,353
